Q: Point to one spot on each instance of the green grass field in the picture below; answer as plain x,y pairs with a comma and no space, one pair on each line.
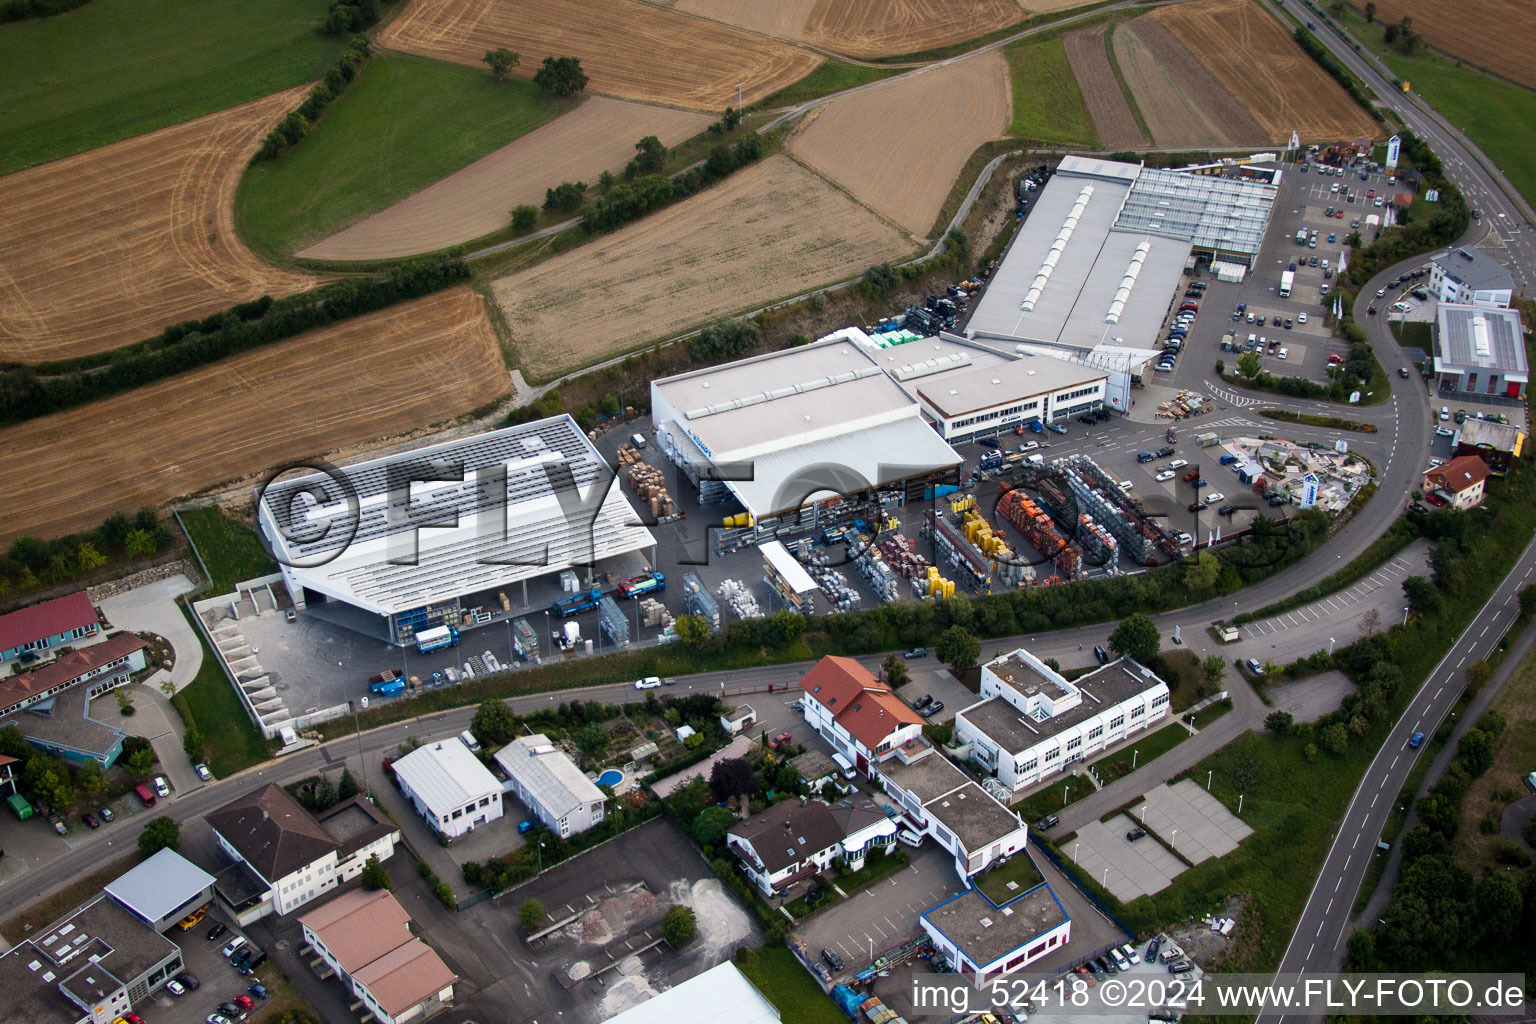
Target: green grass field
1496,115
210,704
404,124
230,551
114,69
1047,104
829,77
777,975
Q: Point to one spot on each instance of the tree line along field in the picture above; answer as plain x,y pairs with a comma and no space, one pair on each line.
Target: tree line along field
627,48
769,231
899,145
1499,35
598,135
114,69
405,123
1253,56
413,364
107,247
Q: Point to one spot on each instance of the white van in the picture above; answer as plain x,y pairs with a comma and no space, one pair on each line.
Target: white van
469,740
1036,460
909,837
638,440
845,765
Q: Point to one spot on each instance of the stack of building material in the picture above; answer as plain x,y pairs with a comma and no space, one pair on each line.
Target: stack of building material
1037,528
627,454
900,553
740,599
652,612
650,483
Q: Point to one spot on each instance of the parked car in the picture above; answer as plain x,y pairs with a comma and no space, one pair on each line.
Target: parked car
1178,463
932,709
218,1018
189,981
1166,474
1196,506
232,946
1047,823
1301,318
258,990
1056,428
648,683
1226,510
1118,959
1152,948
106,814
175,988
1129,952
1180,966
909,837
1134,834
922,701
922,652
203,772
245,1002
58,824
1254,666
90,820
1101,654
783,739
832,959
161,789
1145,456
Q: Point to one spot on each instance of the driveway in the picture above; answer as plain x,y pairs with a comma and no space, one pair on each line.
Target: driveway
153,609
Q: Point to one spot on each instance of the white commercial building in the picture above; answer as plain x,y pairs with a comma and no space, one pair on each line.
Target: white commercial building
939,801
399,544
1470,277
985,939
1480,350
551,784
786,432
859,716
721,994
285,856
451,789
1031,722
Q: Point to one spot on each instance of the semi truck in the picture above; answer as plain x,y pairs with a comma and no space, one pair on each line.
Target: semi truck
577,603
645,583
387,684
437,639
1287,279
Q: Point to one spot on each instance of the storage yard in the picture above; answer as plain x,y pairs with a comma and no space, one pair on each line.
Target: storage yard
1184,105
767,232
873,141
1088,51
108,247
627,48
864,28
1495,34
1255,58
598,136
412,364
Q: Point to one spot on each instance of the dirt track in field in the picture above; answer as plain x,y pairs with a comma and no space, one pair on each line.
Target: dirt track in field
597,136
1499,35
899,145
420,362
110,246
864,28
1183,105
1112,116
627,48
1243,46
767,232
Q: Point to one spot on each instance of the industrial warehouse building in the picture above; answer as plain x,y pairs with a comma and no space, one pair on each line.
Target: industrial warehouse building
366,939
720,994
1098,263
798,435
402,544
1470,277
940,802
985,940
449,787
551,785
1031,722
1480,350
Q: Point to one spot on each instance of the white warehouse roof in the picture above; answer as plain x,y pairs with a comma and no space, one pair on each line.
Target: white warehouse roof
721,995
802,424
558,505
446,775
161,885
551,779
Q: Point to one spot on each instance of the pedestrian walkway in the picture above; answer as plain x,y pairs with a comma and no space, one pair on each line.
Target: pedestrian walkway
153,609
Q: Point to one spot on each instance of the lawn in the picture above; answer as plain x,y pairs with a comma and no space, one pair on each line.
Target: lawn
47,911
1413,335
1181,671
779,976
1514,755
118,68
1047,104
1496,115
230,551
209,703
1145,749
405,123
829,77
1052,798
1019,870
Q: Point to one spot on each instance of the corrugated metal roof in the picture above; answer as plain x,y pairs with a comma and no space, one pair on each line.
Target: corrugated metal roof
446,775
552,779
721,995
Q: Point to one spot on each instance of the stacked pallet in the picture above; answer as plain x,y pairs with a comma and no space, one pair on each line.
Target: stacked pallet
652,612
650,483
628,456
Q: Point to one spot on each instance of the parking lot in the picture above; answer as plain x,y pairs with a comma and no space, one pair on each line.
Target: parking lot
1127,868
886,913
218,982
1193,823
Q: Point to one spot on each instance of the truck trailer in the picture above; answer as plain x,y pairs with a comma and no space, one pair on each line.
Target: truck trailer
1287,279
577,603
646,583
387,684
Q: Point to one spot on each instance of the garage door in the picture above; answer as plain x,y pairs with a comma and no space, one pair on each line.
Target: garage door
1513,391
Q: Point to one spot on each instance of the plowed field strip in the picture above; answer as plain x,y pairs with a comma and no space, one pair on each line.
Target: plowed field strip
1112,115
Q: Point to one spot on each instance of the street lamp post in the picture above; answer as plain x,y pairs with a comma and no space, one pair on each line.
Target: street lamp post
1134,755
1066,791
362,765
1208,779
1173,838
1330,647
1405,616
1074,852
1239,803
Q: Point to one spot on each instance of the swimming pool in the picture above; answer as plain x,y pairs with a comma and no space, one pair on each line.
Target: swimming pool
611,777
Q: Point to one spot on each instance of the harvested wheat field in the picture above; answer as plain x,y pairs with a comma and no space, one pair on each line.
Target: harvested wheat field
599,135
767,232
1185,107
1113,118
1052,6
864,28
626,47
1248,50
110,246
400,368
898,145
1498,35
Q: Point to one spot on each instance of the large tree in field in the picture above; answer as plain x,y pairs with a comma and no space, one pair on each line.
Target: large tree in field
501,60
560,76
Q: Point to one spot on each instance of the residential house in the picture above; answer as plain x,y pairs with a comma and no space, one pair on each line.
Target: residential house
1459,483
795,839
46,625
861,717
57,700
365,937
551,785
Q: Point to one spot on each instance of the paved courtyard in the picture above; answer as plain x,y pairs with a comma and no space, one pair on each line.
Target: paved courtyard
1127,869
886,913
1191,821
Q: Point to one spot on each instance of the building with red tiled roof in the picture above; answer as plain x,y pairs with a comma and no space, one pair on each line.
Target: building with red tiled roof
48,624
1459,482
365,937
861,717
57,698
